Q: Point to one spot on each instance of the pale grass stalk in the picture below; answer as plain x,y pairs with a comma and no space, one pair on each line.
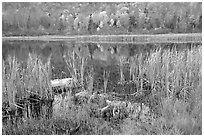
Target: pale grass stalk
133,67
71,61
175,62
90,80
140,67
121,61
166,71
153,66
36,77
4,82
11,85
82,70
39,76
105,78
48,77
74,66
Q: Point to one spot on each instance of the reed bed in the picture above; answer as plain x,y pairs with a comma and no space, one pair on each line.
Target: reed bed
23,82
176,80
76,64
175,101
11,79
38,76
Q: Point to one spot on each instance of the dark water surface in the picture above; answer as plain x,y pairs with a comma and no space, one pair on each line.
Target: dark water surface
100,56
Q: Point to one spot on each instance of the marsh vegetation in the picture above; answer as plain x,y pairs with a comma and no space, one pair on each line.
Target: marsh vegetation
99,68
116,89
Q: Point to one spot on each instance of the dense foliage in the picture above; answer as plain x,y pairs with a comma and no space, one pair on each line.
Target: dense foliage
100,18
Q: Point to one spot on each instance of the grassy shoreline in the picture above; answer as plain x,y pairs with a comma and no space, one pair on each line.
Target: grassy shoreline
175,100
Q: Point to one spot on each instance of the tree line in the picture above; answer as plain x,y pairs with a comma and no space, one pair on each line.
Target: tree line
87,18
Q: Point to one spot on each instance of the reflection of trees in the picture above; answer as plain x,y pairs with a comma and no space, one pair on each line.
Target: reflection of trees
104,53
46,54
92,47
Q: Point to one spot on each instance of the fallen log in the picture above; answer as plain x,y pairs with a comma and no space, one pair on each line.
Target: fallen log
66,82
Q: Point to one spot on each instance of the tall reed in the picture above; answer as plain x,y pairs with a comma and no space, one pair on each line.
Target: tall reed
22,79
38,76
170,72
71,62
182,71
90,80
122,61
82,69
136,69
176,80
76,65
105,79
11,79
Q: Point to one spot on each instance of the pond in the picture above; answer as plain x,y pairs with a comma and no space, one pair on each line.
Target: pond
102,57
111,81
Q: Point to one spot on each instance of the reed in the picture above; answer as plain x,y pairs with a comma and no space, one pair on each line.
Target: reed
38,77
175,72
172,73
176,82
71,61
82,69
122,61
136,70
76,65
133,68
105,79
21,80
90,80
11,79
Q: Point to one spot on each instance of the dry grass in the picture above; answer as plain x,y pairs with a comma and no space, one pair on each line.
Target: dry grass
76,64
176,80
176,99
38,76
22,80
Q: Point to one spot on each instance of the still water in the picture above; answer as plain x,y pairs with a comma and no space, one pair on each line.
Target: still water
100,56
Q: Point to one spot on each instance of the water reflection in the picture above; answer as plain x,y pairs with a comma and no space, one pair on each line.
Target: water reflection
100,56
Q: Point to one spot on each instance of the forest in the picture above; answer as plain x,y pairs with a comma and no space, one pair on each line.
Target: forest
88,18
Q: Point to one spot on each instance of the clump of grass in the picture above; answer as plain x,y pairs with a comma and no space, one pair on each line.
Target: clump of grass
23,80
11,79
38,77
175,78
75,121
76,64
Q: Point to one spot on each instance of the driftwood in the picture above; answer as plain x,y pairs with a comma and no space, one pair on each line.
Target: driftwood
123,109
66,82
